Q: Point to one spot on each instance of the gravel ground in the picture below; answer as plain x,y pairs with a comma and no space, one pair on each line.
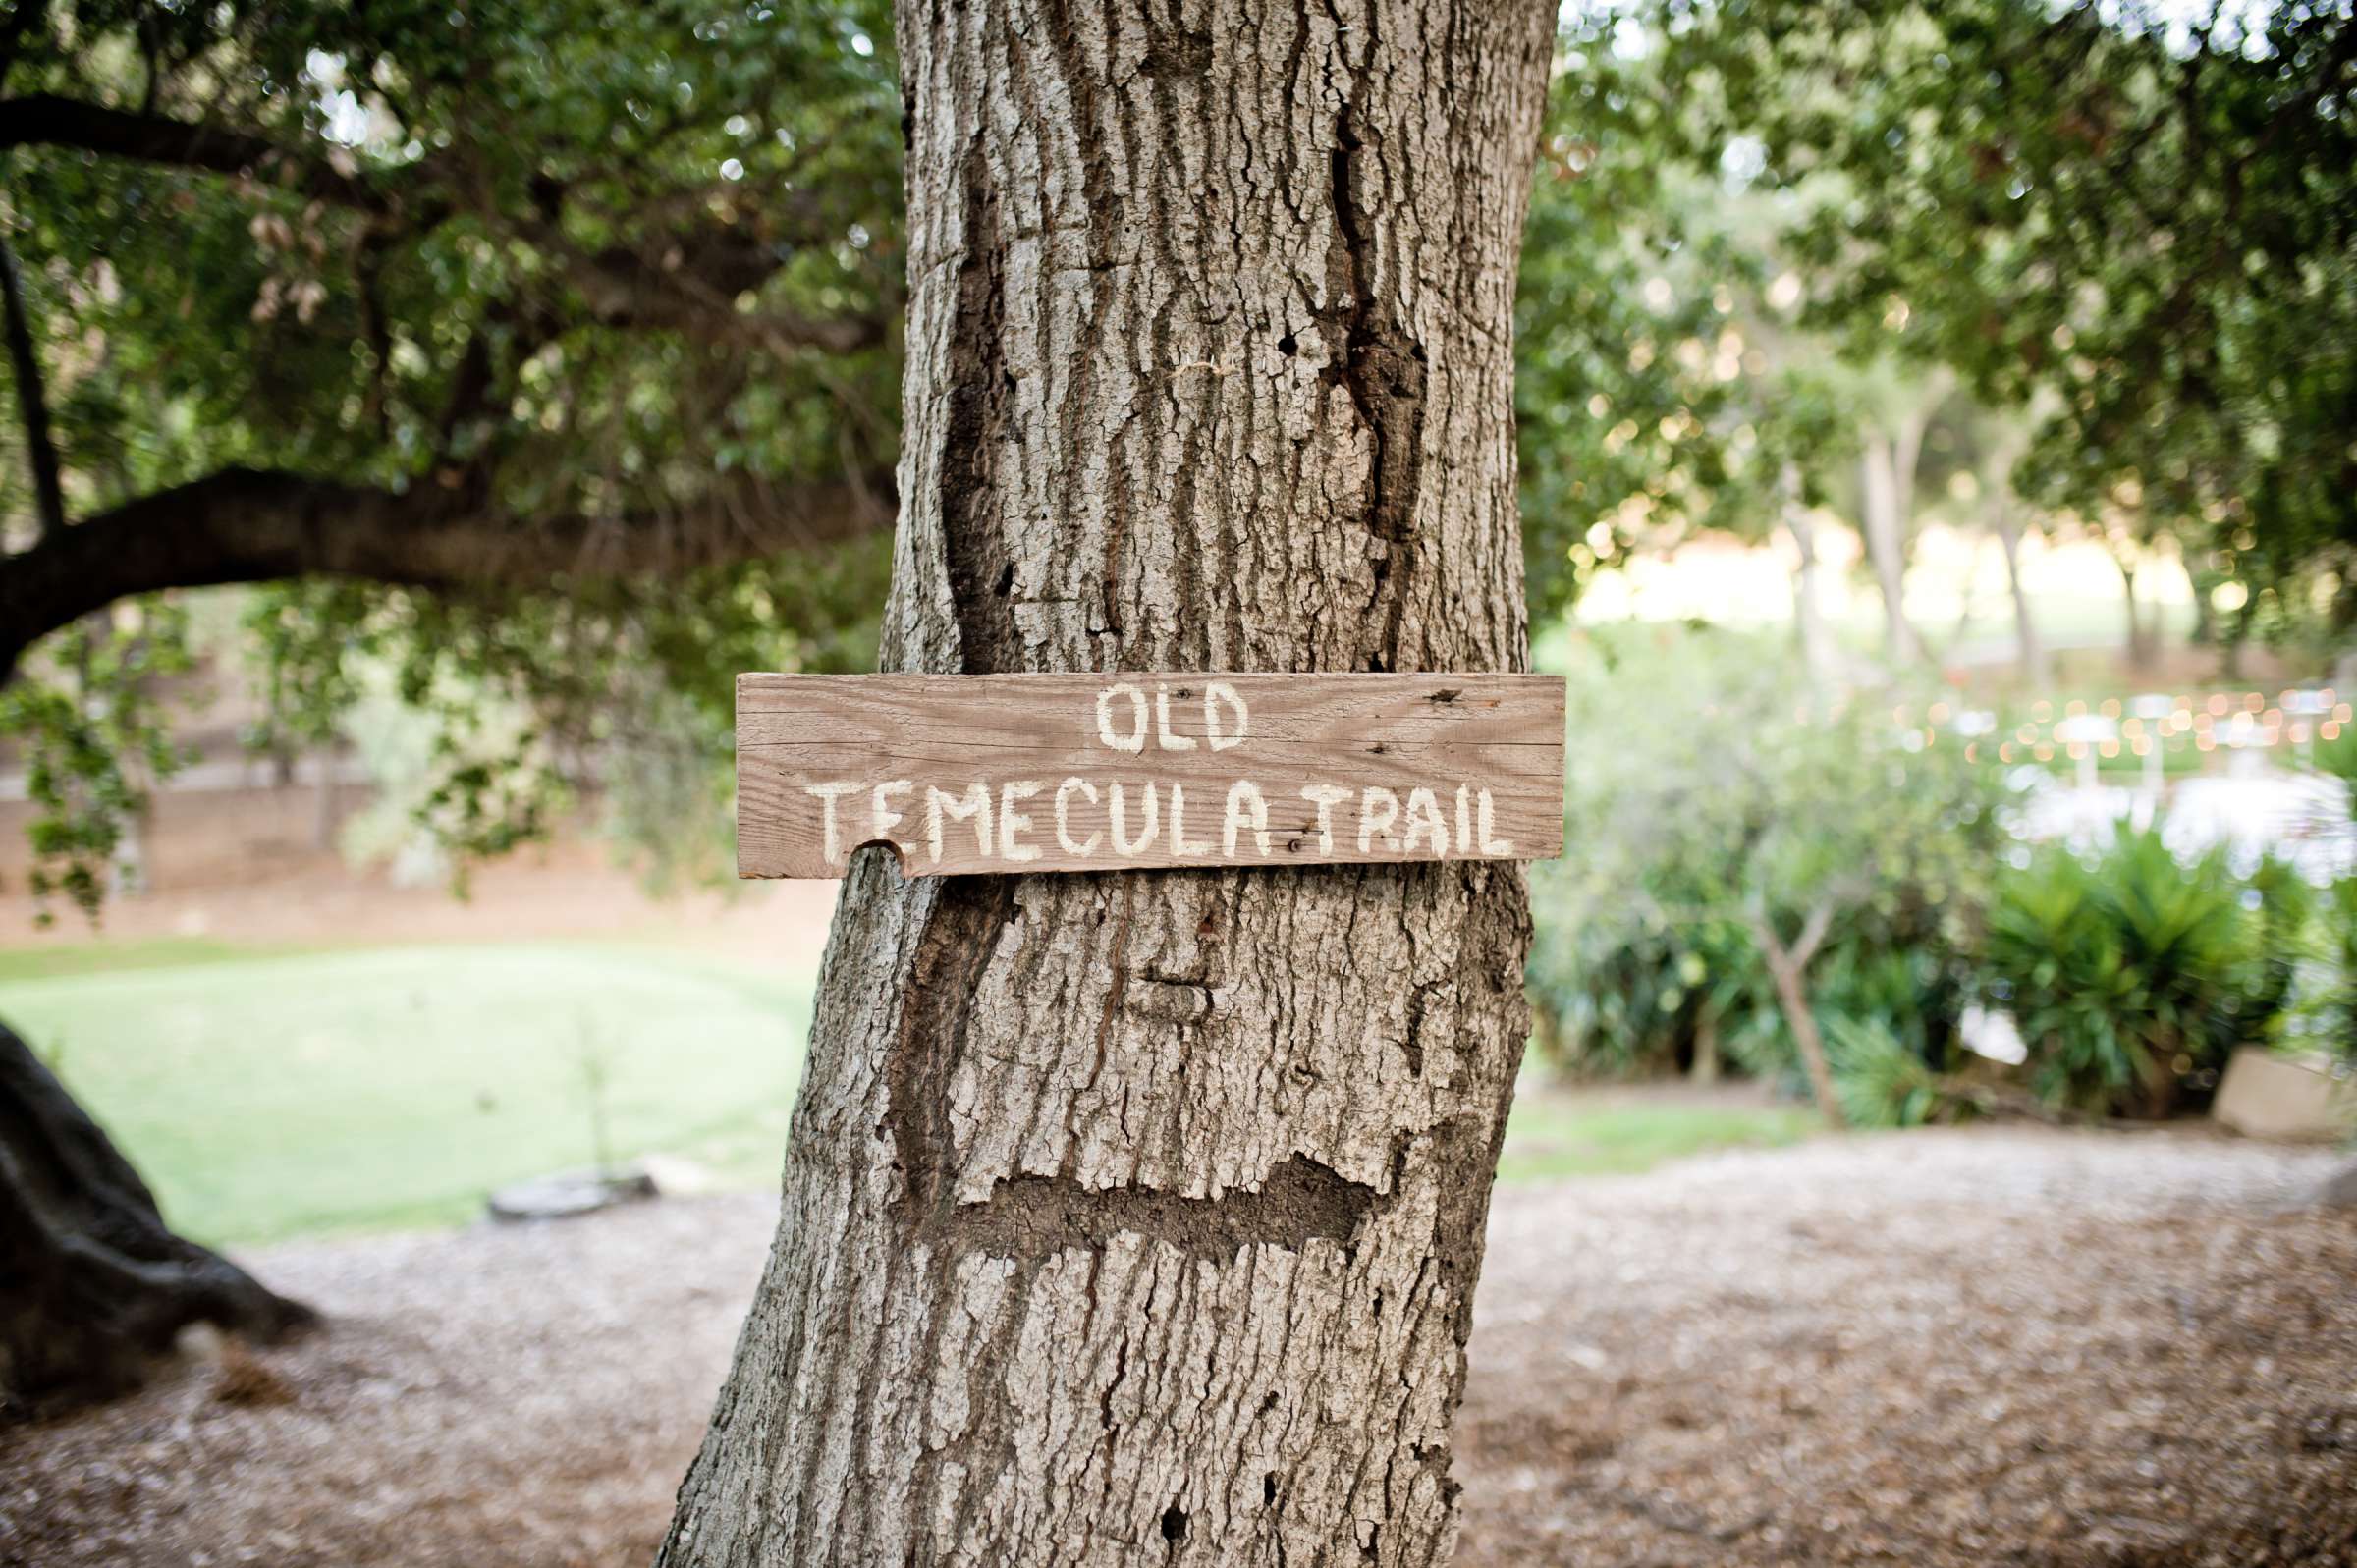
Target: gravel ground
1992,1346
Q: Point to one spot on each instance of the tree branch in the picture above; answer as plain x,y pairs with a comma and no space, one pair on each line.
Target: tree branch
33,401
248,526
687,284
692,284
1812,933
46,119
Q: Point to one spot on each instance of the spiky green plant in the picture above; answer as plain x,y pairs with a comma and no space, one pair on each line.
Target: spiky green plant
2132,973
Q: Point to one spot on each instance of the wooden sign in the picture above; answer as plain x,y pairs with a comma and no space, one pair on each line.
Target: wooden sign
1125,772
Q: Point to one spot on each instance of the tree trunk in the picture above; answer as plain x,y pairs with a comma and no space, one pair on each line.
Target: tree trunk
2238,636
93,1283
325,818
1885,530
1907,453
1793,999
2034,670
1705,1068
2139,654
1789,968
1136,1215
1808,606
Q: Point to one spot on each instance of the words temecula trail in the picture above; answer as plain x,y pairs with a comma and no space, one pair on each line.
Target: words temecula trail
1094,772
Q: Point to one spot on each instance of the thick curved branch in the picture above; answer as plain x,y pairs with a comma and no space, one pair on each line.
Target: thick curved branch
250,526
688,284
691,282
45,120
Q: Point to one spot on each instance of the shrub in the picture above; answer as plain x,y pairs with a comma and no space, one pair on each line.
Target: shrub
2336,1008
1713,793
1883,1081
2133,974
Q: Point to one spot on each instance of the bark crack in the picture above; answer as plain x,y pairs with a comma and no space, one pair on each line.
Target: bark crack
953,951
1035,1217
1382,368
979,416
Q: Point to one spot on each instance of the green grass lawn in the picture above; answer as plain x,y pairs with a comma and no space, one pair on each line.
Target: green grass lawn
1555,1134
265,1097
143,952
267,1094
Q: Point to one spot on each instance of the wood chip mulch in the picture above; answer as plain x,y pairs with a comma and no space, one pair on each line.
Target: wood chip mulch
1991,1346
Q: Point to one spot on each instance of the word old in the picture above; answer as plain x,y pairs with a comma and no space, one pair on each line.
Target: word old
1078,772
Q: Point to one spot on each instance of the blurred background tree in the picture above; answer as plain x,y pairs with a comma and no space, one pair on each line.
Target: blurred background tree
2000,267
2137,221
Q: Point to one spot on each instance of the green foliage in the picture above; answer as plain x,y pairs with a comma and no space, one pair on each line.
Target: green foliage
1713,793
95,742
525,704
2336,758
2132,975
2138,221
1712,790
2336,1008
1882,1082
555,261
240,320
1658,389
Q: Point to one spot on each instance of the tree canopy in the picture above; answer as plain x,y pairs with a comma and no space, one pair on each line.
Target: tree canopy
548,347
2134,224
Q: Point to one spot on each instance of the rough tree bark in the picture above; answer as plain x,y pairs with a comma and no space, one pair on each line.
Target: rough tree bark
1136,1216
93,1283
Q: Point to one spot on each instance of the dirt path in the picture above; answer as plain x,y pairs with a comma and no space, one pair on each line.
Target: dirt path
2015,1347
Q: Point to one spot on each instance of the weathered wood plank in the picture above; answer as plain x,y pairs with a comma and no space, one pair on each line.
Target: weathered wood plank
1129,772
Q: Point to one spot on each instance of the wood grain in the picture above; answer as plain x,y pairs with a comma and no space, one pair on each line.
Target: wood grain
962,774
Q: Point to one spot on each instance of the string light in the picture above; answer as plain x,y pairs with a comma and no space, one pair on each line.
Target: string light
2235,718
